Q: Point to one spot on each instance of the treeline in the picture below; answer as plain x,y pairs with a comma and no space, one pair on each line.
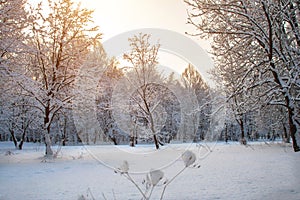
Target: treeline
59,87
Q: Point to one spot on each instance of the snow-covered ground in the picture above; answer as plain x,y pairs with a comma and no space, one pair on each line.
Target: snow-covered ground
228,171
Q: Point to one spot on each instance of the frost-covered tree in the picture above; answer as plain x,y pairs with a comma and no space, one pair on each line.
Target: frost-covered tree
192,80
13,23
17,117
107,82
143,103
271,122
60,41
87,91
143,58
165,111
258,41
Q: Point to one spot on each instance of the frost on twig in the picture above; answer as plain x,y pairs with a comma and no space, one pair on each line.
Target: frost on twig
123,170
188,158
124,167
154,177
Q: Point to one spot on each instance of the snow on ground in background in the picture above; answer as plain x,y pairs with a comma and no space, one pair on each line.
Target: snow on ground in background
229,171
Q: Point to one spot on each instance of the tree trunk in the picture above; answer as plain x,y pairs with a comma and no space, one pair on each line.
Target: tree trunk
242,140
286,138
49,151
153,130
20,146
64,139
155,141
114,140
12,133
226,134
151,123
293,130
132,141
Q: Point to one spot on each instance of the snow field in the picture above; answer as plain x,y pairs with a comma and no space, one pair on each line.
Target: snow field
228,171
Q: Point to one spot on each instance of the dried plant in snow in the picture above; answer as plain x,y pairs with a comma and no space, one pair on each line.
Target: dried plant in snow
154,177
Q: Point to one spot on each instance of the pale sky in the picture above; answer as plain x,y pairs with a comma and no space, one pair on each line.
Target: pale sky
115,17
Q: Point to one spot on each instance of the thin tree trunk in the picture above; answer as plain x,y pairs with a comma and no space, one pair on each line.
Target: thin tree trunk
293,130
49,151
64,140
155,141
286,138
242,140
153,132
24,128
20,146
226,133
151,120
114,140
12,133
